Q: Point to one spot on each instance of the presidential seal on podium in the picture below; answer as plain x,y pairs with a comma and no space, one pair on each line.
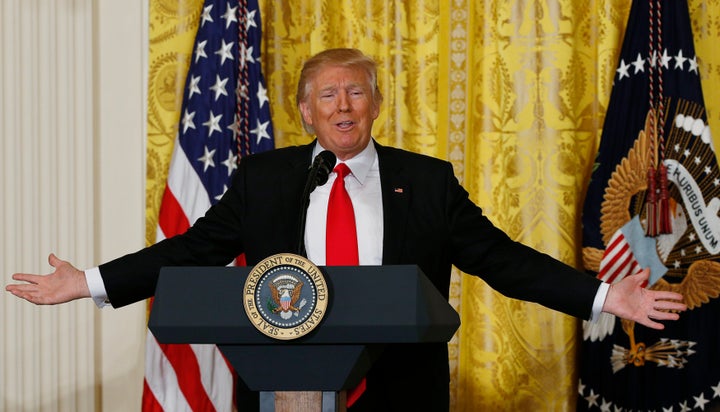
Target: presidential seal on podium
285,296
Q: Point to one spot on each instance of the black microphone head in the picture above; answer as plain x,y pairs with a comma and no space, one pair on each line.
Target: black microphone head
325,162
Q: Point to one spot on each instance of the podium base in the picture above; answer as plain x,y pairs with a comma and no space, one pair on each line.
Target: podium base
285,401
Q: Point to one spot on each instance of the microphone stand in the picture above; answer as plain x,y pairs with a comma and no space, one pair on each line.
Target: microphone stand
325,159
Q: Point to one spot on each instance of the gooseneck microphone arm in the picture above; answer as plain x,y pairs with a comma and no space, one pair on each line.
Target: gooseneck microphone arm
320,170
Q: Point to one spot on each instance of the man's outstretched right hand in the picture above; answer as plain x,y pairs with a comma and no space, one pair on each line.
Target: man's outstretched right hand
66,283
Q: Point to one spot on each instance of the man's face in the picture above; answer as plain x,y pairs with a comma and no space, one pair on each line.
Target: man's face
341,109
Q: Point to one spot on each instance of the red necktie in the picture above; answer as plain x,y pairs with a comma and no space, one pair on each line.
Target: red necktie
341,247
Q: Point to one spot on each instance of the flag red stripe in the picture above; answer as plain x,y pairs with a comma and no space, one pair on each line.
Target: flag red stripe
149,402
354,394
172,219
615,241
188,376
623,265
615,252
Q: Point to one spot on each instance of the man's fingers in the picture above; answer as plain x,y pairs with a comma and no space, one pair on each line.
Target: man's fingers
26,277
660,315
31,292
644,274
668,296
24,291
668,301
651,320
54,261
651,324
663,310
670,305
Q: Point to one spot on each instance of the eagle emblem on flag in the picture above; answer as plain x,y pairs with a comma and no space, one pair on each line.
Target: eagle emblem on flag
680,261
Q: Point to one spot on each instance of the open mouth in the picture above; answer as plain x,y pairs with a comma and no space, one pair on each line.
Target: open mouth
345,125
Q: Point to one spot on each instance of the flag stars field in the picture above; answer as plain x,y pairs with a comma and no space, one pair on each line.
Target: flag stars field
194,86
262,96
230,163
623,70
219,87
206,17
679,60
716,390
261,131
230,16
638,64
250,20
187,121
213,124
665,59
200,50
700,401
247,56
234,127
225,52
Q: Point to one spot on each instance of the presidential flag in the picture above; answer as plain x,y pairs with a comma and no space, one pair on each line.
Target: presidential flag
653,201
225,115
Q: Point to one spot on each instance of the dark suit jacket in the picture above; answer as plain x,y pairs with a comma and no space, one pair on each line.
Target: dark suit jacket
430,223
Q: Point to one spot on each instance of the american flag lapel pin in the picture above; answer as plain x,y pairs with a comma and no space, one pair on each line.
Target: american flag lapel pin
398,190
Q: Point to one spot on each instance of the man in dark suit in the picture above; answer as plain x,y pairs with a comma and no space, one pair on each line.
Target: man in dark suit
409,209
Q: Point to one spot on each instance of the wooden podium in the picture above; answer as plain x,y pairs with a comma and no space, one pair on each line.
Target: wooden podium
369,306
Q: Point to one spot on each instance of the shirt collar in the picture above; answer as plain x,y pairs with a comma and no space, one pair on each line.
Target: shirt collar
360,164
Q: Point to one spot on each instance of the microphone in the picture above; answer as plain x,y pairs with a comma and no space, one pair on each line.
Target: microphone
320,170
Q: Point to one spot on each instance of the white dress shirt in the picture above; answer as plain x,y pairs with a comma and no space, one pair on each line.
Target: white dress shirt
363,186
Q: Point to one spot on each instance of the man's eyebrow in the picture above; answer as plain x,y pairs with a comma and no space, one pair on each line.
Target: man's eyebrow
330,88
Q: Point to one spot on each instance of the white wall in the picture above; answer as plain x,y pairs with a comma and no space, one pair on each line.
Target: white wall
72,124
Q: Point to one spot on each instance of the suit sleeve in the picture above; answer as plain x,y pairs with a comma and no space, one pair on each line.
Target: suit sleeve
214,240
513,269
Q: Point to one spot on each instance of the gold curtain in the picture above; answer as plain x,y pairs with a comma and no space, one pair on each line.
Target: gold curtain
512,93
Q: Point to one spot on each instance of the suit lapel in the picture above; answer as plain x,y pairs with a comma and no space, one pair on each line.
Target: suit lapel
395,188
293,184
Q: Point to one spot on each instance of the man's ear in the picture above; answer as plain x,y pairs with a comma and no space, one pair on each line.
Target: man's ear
305,112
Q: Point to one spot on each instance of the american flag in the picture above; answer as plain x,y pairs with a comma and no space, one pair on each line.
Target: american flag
225,116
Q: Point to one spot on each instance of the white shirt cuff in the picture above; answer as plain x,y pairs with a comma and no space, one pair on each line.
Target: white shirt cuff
96,287
599,301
